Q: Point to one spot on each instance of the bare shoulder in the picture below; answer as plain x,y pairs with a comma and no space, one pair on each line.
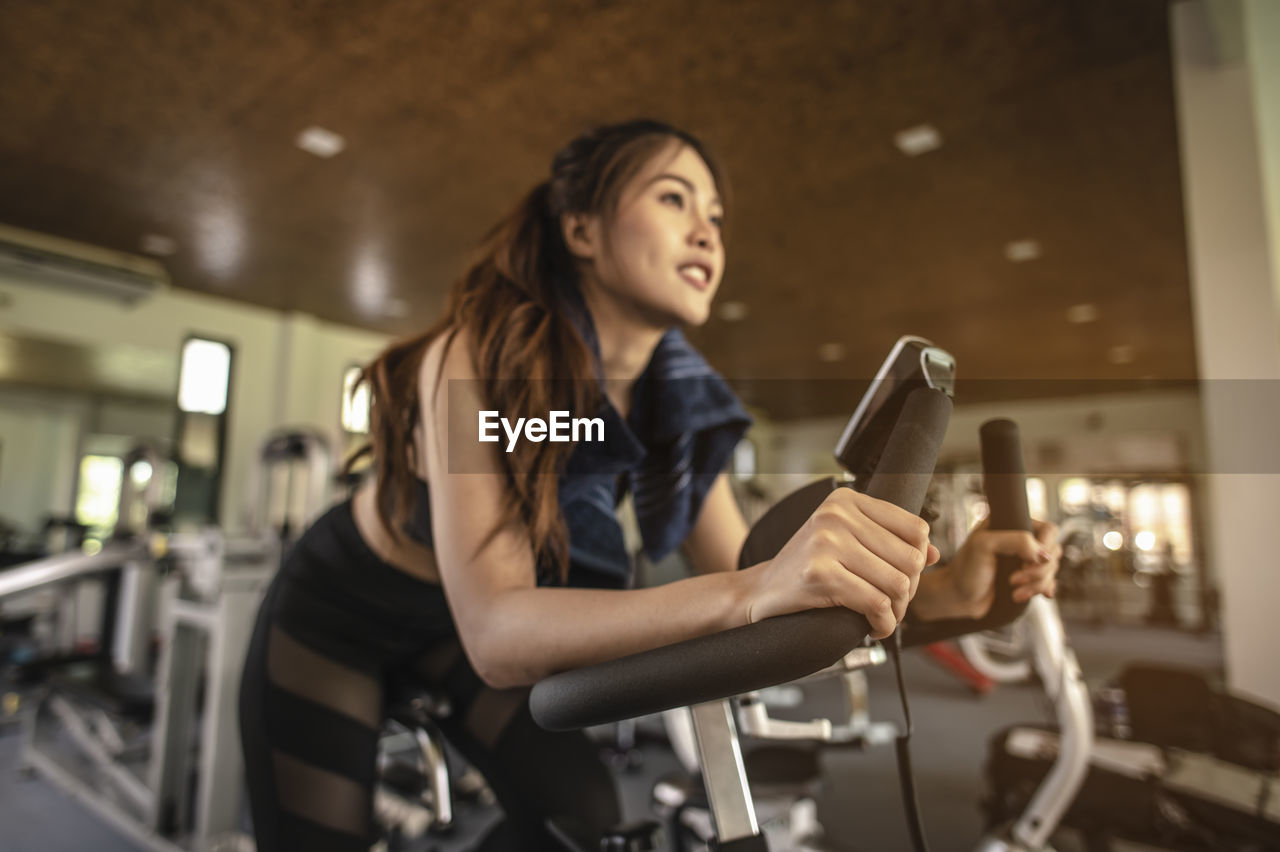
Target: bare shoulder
449,398
448,358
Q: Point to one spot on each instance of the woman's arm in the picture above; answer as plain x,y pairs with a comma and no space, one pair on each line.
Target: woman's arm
513,631
961,589
719,532
857,552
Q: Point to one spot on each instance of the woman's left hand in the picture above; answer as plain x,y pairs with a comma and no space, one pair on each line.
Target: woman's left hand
972,572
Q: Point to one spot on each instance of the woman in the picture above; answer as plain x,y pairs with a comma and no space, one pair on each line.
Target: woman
486,565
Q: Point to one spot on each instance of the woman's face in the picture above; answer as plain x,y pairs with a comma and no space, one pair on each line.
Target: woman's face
662,254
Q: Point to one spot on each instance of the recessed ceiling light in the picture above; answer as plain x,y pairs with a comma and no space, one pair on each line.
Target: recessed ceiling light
1086,312
918,140
1020,251
159,245
1122,354
732,311
831,352
321,142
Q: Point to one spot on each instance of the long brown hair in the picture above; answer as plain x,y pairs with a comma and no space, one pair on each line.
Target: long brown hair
513,302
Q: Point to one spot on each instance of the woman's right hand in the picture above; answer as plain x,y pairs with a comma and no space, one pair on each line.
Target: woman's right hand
854,551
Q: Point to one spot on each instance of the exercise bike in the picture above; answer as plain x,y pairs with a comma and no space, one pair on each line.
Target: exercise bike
901,442
1181,764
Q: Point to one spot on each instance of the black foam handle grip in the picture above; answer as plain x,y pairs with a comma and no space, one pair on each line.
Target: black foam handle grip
1004,479
755,656
776,526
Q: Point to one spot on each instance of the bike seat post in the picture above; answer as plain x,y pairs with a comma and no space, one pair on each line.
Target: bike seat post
725,778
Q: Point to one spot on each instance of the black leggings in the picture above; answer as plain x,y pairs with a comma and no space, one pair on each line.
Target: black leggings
336,623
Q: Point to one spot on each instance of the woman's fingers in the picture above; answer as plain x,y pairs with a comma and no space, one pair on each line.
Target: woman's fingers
1017,543
1039,578
1026,592
852,591
906,526
894,535
1047,537
893,584
854,551
1039,555
875,553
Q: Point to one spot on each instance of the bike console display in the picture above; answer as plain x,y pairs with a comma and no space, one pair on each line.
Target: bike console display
912,363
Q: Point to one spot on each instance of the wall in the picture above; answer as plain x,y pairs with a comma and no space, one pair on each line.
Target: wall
39,436
288,368
1227,123
804,448
1262,50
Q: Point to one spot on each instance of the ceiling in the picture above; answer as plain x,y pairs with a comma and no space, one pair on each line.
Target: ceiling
128,118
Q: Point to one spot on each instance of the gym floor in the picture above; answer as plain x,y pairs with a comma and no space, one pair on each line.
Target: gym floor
860,804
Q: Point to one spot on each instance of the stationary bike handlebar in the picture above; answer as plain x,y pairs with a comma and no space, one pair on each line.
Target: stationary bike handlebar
1004,479
756,656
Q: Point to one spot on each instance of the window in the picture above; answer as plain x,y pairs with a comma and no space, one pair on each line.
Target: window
355,403
206,372
99,498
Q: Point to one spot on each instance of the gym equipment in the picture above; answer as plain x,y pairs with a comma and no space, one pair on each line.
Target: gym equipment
40,625
413,795
419,786
1060,674
1002,655
704,672
786,777
954,662
60,617
100,730
1200,771
911,364
155,749
290,485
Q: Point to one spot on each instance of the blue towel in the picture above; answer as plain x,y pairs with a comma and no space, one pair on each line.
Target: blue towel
683,426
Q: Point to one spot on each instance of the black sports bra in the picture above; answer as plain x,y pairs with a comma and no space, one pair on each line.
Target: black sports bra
418,526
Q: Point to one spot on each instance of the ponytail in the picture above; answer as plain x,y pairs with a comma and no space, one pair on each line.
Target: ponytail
530,358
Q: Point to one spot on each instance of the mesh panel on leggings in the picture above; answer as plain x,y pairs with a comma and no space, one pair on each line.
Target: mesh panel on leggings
321,796
337,800
295,667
